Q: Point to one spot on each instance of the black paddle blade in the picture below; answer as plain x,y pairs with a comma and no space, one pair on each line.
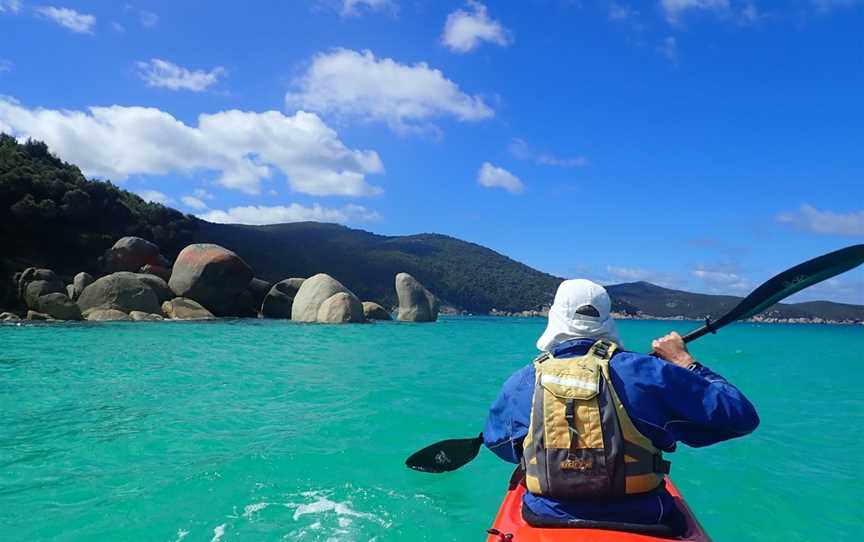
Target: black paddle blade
446,455
787,283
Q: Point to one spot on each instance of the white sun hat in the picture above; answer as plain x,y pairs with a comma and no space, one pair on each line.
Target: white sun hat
571,317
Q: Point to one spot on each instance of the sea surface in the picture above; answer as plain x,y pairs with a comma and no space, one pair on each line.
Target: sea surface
271,430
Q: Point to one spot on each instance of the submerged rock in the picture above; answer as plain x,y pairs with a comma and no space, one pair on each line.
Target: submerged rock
104,315
58,306
313,293
122,291
416,303
211,275
181,308
280,299
374,311
340,308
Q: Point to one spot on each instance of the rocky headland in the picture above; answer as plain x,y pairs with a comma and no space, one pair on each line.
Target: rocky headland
206,281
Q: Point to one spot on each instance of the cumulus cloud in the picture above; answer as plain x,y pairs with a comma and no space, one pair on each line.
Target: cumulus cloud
202,194
811,219
497,177
193,202
356,7
13,6
356,84
161,73
465,30
520,149
243,147
69,18
720,280
155,196
258,215
674,9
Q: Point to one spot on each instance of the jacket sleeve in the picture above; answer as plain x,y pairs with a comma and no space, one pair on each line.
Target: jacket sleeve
703,408
507,423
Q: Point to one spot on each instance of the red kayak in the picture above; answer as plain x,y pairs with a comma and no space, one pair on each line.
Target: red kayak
510,527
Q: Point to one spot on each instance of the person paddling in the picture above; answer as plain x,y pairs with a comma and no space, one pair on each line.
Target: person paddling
589,421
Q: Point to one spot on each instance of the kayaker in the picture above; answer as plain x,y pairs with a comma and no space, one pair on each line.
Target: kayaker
574,461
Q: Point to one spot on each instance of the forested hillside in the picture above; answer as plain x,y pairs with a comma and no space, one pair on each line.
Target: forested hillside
51,216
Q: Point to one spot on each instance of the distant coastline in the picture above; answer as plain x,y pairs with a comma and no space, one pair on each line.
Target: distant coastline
639,316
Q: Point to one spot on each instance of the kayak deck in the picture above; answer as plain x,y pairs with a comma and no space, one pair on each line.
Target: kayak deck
509,521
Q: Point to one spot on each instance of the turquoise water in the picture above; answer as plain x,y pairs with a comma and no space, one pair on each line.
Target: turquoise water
269,430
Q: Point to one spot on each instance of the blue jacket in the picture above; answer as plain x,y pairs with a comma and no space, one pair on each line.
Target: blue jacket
667,404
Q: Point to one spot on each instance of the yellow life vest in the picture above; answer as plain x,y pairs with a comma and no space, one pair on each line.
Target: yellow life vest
581,442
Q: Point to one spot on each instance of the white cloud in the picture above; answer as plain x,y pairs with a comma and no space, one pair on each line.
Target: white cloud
202,194
721,281
243,147
669,49
13,6
814,220
673,9
5,65
71,19
496,177
164,74
356,84
465,30
155,196
148,18
523,151
636,274
294,212
193,202
355,7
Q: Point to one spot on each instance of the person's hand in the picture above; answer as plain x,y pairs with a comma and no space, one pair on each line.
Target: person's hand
672,348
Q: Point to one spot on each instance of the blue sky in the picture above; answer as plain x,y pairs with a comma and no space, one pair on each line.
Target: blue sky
697,144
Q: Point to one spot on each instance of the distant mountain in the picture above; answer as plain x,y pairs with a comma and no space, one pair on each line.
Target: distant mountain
649,299
51,216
